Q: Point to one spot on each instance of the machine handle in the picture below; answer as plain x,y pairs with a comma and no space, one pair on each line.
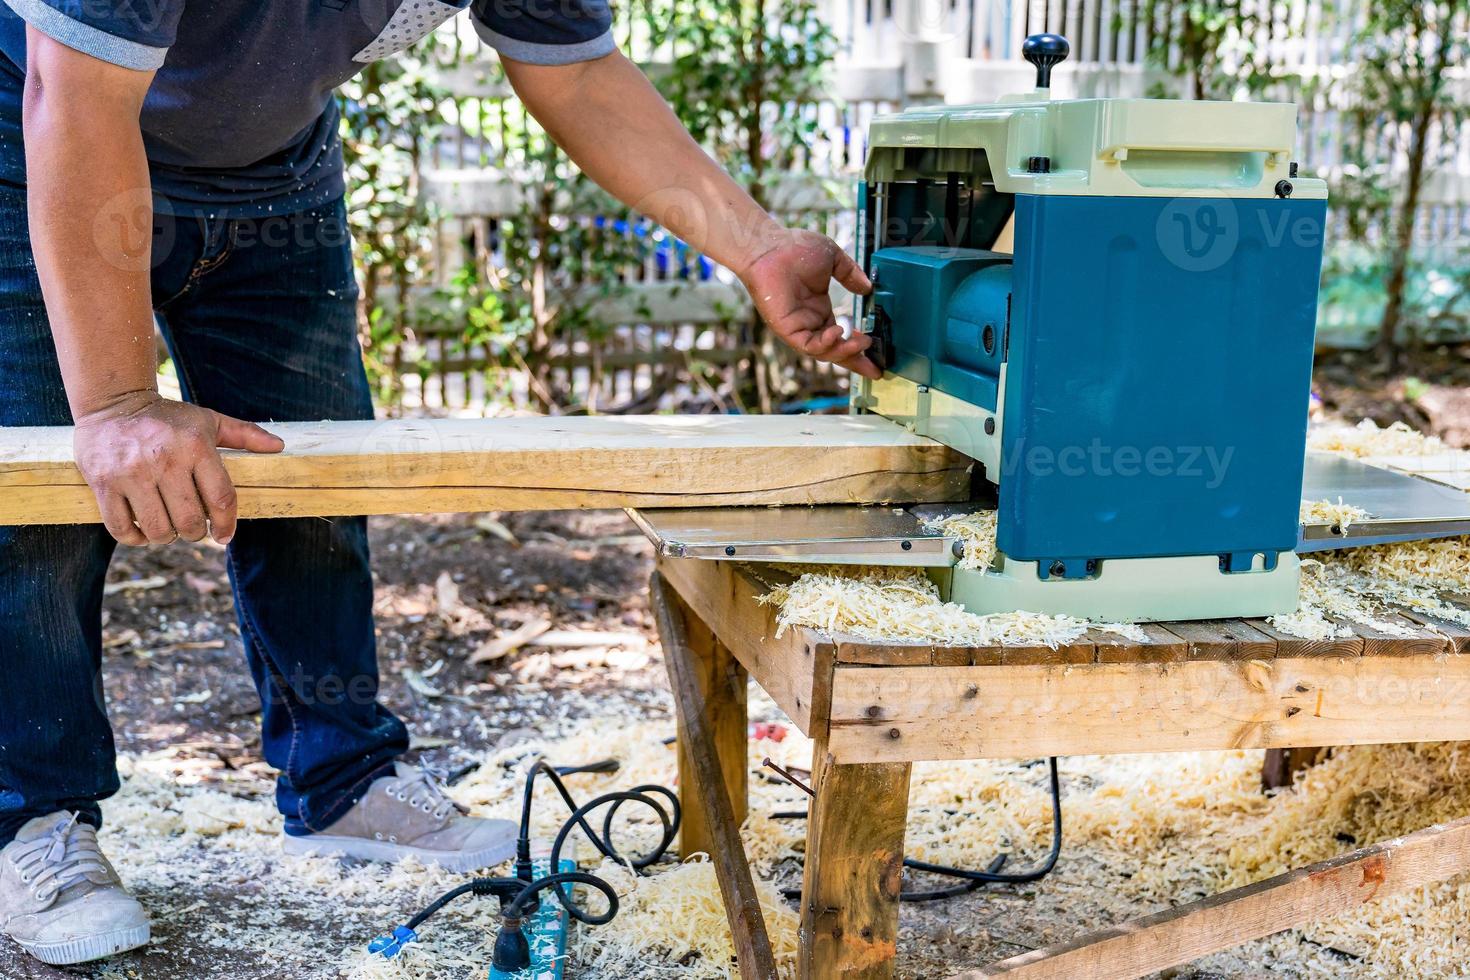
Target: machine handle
1045,51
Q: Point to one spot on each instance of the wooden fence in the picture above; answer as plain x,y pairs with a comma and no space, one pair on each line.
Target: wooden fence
676,329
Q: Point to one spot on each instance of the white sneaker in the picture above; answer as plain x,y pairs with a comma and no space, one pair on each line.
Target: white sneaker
61,900
409,815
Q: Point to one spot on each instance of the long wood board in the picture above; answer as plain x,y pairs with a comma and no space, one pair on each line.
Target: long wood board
460,465
1187,932
906,714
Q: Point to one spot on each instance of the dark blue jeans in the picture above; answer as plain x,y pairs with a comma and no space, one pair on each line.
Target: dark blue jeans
260,317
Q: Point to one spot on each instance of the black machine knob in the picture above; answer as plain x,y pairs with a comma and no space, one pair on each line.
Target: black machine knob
1045,51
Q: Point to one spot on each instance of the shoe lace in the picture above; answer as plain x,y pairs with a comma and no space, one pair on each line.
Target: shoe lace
66,854
426,787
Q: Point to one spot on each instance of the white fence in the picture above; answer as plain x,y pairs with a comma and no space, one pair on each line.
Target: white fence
897,52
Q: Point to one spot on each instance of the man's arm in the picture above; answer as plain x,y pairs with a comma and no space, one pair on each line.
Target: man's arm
619,130
153,463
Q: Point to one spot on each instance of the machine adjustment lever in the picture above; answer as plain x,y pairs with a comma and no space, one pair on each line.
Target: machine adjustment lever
1045,51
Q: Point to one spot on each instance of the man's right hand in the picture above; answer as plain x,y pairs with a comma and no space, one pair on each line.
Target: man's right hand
155,467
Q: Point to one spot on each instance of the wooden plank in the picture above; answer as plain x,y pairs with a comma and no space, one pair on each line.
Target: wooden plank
914,713
1180,935
1224,639
737,886
849,649
795,669
1296,646
457,465
1421,640
723,686
1079,651
1160,645
854,870
1457,636
856,650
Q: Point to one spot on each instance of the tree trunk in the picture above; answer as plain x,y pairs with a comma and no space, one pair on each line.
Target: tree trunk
1432,87
1389,347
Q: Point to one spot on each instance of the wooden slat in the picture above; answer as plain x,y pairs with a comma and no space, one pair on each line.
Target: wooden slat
1458,636
1160,645
893,714
1381,643
1080,651
849,649
1224,639
1296,646
795,670
855,650
737,886
1188,932
458,465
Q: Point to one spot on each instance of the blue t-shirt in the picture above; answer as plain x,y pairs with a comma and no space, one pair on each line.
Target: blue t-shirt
240,118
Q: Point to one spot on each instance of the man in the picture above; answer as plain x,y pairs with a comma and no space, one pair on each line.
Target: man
180,159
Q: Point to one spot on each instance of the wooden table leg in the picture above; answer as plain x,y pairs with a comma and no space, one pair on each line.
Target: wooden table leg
705,785
1280,767
854,869
723,683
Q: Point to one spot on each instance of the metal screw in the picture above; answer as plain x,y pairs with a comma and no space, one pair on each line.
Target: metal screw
730,550
1059,568
990,425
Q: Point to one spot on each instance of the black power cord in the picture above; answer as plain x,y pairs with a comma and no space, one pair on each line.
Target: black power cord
973,880
520,895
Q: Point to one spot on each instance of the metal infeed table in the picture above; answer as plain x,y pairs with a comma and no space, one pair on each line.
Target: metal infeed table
873,709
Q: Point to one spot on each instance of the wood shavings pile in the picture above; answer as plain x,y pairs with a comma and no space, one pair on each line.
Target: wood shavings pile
1142,831
1340,514
679,915
977,531
1367,439
901,605
1366,585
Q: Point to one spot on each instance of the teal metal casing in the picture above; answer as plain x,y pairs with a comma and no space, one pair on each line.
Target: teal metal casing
1157,356
967,292
1158,376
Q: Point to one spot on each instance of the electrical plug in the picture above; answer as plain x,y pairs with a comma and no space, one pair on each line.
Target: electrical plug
390,946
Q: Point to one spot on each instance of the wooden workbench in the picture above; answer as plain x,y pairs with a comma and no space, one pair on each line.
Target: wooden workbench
873,709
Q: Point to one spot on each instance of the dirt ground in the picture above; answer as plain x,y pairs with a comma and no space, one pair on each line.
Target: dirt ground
1431,391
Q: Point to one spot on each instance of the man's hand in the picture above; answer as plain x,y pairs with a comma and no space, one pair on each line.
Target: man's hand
790,283
155,467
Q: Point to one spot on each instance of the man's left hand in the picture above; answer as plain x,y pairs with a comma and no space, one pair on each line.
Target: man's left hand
789,284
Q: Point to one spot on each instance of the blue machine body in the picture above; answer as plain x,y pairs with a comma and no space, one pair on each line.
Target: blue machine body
966,291
1158,356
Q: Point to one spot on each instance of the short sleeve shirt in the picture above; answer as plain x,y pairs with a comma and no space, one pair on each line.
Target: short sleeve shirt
240,118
